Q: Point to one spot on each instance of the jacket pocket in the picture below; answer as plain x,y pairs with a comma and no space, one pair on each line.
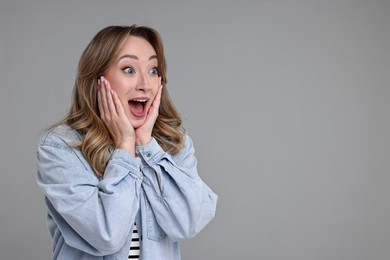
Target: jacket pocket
154,231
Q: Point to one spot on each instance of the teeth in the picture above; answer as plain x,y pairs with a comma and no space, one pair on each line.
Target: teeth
139,100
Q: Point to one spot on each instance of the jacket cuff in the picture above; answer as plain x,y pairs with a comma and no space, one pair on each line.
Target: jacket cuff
152,153
123,158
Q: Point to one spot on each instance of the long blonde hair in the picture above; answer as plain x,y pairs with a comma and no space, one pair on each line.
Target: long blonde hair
83,115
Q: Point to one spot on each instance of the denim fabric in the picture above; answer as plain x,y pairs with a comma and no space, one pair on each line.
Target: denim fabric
92,218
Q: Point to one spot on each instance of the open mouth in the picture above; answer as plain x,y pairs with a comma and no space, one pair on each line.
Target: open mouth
137,106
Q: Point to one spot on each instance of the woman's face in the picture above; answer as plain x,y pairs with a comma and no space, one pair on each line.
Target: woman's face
134,76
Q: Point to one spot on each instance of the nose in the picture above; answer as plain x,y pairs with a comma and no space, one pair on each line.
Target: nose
142,83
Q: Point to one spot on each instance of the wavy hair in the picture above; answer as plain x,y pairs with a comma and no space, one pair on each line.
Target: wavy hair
83,115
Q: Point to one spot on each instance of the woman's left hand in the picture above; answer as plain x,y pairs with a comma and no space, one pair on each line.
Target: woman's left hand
143,133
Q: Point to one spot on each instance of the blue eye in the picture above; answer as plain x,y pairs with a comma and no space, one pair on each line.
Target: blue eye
153,71
128,70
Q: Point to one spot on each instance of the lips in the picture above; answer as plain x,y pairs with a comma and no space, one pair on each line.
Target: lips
138,106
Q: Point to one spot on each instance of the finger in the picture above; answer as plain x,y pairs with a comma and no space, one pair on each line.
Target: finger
99,97
160,86
118,105
160,92
105,103
154,108
110,102
103,108
157,100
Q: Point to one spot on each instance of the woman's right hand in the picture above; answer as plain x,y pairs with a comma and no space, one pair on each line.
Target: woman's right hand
113,115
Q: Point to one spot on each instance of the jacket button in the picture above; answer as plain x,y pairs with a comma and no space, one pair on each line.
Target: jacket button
148,154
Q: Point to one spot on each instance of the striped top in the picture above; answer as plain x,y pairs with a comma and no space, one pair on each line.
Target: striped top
134,245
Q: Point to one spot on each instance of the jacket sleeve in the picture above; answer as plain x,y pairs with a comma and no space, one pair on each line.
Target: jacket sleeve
181,202
94,215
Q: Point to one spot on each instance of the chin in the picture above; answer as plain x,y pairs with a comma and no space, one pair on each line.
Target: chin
136,123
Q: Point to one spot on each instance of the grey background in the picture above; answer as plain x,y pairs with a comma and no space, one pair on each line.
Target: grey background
287,102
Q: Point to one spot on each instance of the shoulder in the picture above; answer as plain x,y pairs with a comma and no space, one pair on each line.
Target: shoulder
186,156
60,135
188,143
188,148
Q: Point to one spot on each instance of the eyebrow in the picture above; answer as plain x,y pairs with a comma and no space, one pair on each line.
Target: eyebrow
135,57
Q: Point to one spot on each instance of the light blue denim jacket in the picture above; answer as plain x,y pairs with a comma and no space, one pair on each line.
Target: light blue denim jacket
92,218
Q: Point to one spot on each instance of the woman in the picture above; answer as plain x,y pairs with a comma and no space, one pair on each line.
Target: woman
120,163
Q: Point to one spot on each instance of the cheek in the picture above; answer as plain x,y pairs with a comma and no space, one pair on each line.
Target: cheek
155,90
114,83
118,86
114,78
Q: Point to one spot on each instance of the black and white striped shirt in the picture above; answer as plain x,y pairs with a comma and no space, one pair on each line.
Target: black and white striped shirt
134,245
